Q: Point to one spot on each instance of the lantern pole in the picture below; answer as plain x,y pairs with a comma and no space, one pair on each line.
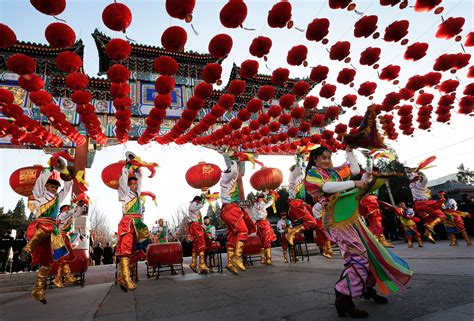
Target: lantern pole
80,163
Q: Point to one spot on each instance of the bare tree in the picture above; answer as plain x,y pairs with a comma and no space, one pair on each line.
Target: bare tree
99,226
178,220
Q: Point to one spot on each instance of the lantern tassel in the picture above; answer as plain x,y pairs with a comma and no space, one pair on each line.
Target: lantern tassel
299,29
59,19
194,30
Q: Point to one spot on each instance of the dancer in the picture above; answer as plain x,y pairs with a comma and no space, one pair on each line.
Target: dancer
324,182
429,210
45,243
299,210
282,226
198,235
160,232
408,220
209,228
454,223
234,217
369,207
65,222
264,229
131,228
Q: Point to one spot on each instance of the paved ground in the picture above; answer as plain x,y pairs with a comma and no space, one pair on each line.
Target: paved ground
441,289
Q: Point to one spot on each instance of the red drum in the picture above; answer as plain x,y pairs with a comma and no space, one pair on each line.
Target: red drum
79,265
164,254
213,247
252,246
299,239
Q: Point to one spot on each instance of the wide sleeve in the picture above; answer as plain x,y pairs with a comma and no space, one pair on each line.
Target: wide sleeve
123,188
314,183
353,164
65,191
39,188
138,174
231,174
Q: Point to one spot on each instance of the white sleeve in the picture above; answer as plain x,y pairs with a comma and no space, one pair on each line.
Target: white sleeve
39,188
65,191
452,204
138,175
355,169
234,171
78,210
123,188
269,203
335,187
213,231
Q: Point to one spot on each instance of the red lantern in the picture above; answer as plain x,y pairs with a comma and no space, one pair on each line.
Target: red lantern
280,76
346,76
450,28
390,72
21,64
317,30
416,51
370,56
6,97
49,7
366,26
181,9
260,47
319,73
117,17
212,73
266,92
174,38
279,15
220,45
266,179
68,61
111,174
118,49
340,50
249,68
60,35
7,36
396,31
233,14
236,87
23,179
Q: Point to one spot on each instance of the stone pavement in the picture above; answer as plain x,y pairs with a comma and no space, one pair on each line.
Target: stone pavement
442,288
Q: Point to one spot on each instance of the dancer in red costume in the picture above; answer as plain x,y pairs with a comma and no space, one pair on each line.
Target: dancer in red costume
131,228
454,223
299,210
282,226
369,208
264,229
234,217
65,222
45,243
429,210
408,220
198,235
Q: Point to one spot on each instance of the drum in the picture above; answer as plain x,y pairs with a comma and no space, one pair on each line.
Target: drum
213,247
78,266
252,246
164,254
299,239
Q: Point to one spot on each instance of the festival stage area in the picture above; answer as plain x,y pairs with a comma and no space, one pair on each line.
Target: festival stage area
441,289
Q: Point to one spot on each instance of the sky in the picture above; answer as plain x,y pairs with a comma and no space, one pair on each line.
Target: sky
452,143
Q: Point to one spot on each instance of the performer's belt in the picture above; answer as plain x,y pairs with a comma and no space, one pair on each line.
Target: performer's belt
133,214
46,220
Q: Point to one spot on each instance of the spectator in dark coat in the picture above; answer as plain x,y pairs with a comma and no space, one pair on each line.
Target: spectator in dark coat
98,253
108,254
5,243
18,244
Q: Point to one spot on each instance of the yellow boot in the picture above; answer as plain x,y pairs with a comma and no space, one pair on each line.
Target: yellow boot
203,269
236,259
420,241
430,229
125,278
193,265
285,256
262,256
230,267
68,277
384,241
37,238
466,237
326,250
58,279
38,291
268,254
293,232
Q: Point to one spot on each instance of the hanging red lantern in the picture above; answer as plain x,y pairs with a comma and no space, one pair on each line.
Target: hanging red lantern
249,69
6,97
448,86
60,35
195,103
81,97
233,14
274,111
317,30
346,76
7,36
450,28
260,47
287,101
332,112
77,81
212,73
203,176
297,112
165,65
227,101
367,88
119,89
340,50
396,31
174,39
279,15
300,88
23,179
266,92
180,9
469,42
68,61
310,102
118,73
427,5
370,56
297,55
31,82
49,7
280,76
416,51
466,105
21,64
117,16
236,87
244,115
349,100
284,119
390,72
424,99
340,4
118,49
164,85
365,27
203,90
266,179
327,91
254,105
220,45
319,73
